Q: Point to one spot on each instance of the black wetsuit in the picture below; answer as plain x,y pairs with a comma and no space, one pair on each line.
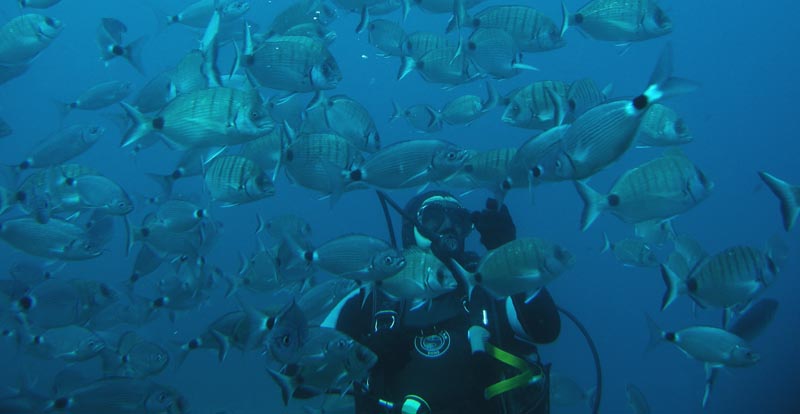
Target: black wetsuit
427,353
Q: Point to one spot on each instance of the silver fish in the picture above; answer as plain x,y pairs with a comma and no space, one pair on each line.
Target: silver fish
56,239
32,272
622,20
520,266
24,37
387,36
443,65
421,117
631,252
317,162
565,392
487,169
754,319
62,146
417,44
329,360
156,93
713,346
788,195
661,126
180,215
70,343
299,13
444,6
725,280
56,303
467,108
423,278
121,395
538,105
234,180
102,194
199,13
214,117
411,163
267,150
495,53
659,189
356,257
318,301
345,117
292,63
531,30
135,357
526,166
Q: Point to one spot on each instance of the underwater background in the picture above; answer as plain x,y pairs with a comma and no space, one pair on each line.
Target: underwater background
744,119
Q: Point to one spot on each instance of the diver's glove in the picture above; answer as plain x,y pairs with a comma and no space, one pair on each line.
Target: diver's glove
494,224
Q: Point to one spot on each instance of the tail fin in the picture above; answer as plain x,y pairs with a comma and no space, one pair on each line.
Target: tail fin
675,286
166,182
788,195
407,64
606,243
656,333
285,384
397,112
364,21
459,17
133,54
594,204
492,97
662,84
141,125
564,18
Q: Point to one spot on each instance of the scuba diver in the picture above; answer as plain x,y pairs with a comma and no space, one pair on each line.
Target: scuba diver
457,355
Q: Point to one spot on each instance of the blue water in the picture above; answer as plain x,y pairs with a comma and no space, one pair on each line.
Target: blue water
744,120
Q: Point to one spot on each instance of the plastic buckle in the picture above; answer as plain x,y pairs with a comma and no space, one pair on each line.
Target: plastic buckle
385,319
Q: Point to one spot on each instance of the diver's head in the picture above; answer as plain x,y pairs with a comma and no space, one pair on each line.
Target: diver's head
442,224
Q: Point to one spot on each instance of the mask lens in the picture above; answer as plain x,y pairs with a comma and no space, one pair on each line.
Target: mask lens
436,218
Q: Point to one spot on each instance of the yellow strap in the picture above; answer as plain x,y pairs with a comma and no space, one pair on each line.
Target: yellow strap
525,377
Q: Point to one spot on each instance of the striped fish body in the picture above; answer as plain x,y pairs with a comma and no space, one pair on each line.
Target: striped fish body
318,161
584,95
417,44
622,20
293,63
444,66
411,163
266,151
463,110
634,252
659,189
493,51
598,138
486,169
24,37
424,277
522,265
189,74
214,117
730,278
358,257
199,13
302,12
387,36
347,118
661,126
531,30
532,107
56,239
234,179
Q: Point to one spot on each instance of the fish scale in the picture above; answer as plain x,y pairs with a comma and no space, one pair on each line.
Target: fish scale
286,63
410,163
523,23
444,65
532,107
661,126
417,44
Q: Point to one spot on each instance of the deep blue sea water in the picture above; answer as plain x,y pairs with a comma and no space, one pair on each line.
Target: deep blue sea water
744,119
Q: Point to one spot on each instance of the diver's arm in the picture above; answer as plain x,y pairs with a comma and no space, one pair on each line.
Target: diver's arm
494,224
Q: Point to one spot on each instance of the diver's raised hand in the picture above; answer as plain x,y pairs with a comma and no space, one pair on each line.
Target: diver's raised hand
494,224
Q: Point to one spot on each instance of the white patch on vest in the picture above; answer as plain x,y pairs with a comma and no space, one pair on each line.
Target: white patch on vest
433,346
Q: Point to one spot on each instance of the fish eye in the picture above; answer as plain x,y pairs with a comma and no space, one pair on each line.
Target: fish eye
771,266
388,260
440,276
515,109
50,22
558,163
537,170
255,114
452,156
286,340
93,130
